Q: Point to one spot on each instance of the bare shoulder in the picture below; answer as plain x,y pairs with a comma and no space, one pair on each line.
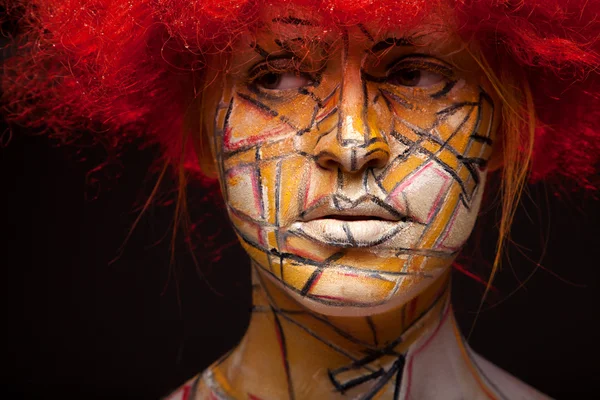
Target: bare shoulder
509,386
192,389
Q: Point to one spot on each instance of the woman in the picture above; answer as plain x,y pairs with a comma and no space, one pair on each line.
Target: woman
352,142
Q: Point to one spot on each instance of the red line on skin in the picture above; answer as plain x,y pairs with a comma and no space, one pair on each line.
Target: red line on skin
319,118
186,392
409,182
389,103
331,99
281,348
307,181
259,234
417,351
253,397
277,131
348,274
314,202
303,253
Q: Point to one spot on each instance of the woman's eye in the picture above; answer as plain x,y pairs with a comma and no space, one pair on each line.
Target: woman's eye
415,77
282,81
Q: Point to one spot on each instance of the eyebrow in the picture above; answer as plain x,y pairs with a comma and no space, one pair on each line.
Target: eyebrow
287,44
289,20
389,42
424,56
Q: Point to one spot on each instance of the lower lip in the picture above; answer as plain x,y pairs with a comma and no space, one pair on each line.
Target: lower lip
363,233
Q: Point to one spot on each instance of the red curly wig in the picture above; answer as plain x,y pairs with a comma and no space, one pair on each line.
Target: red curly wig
124,69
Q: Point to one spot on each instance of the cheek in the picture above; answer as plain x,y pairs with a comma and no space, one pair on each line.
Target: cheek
457,222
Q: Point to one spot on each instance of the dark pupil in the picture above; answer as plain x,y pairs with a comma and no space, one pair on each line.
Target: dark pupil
270,80
409,77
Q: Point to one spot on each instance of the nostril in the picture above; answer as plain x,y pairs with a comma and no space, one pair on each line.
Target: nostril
327,160
330,164
377,158
376,163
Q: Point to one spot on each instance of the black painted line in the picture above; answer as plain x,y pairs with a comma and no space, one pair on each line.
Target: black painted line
258,104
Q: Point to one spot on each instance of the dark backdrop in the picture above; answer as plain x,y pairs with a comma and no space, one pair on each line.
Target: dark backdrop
78,326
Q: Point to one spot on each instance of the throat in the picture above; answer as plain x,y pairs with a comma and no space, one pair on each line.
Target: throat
292,352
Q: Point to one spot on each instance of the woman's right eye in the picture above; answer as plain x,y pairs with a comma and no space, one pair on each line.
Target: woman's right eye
281,81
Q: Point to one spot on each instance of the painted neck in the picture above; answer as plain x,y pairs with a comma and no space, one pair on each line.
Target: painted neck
289,350
398,327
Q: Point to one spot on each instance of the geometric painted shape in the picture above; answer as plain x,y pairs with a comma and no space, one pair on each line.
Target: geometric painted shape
422,193
460,225
249,124
243,191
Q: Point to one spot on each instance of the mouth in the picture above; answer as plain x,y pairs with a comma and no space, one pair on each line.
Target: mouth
357,218
365,224
355,232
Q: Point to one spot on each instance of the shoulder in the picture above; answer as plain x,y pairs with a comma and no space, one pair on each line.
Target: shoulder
460,373
187,391
200,387
505,383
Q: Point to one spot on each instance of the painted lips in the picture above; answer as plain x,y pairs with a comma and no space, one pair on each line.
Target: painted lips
365,232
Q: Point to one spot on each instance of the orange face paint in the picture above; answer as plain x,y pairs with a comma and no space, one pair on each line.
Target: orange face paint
352,163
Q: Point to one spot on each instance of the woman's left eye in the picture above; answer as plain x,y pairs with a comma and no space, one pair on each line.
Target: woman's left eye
282,81
415,77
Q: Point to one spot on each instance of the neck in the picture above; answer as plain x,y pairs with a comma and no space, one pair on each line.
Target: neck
289,351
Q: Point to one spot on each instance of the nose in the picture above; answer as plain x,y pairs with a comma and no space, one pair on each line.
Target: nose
357,144
352,158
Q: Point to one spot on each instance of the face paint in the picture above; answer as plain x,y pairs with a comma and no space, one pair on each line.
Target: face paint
352,168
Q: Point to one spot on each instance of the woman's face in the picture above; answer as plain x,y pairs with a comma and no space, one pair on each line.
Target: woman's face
352,160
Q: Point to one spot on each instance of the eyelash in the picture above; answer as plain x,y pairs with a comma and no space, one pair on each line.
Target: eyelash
279,65
292,65
410,64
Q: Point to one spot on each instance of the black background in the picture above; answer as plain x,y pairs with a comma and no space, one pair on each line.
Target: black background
79,326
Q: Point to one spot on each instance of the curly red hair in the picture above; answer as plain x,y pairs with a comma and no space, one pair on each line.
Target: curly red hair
132,68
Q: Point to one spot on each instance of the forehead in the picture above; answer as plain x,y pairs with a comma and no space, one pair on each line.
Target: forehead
384,13
313,24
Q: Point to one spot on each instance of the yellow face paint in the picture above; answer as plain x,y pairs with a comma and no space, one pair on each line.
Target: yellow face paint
352,163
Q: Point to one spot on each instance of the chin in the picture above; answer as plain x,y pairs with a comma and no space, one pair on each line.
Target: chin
352,296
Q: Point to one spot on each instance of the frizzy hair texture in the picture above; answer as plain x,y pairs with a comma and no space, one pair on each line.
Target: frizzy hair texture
127,69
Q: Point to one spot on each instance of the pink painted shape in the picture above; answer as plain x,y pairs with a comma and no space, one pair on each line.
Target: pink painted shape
306,189
249,170
231,144
260,234
441,192
315,201
397,198
303,253
447,233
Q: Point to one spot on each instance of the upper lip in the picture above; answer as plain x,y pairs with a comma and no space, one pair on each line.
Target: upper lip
365,210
